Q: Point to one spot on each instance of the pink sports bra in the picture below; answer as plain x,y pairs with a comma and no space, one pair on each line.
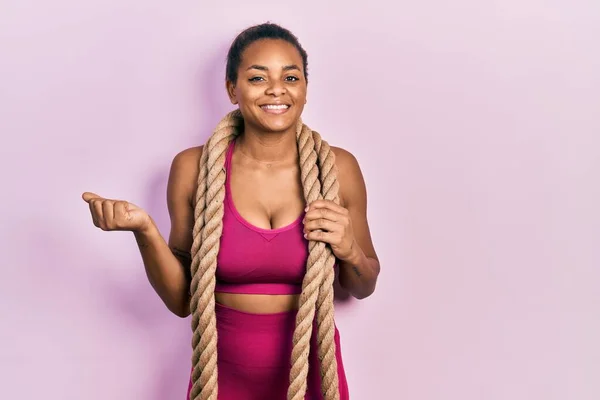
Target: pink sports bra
254,260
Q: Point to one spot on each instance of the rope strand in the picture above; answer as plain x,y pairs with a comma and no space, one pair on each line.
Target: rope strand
319,181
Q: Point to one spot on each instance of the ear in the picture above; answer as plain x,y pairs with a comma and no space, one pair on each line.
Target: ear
230,87
306,94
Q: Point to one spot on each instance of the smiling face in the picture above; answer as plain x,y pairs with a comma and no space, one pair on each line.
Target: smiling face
271,85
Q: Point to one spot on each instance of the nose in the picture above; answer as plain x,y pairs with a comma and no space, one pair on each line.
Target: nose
276,88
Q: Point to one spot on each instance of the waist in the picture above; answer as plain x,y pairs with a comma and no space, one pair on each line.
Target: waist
258,303
274,288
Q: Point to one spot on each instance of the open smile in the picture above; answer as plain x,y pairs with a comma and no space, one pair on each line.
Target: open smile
275,108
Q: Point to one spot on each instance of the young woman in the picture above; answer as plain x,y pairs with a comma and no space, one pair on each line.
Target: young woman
250,194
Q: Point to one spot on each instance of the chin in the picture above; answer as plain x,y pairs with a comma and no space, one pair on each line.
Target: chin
280,127
279,123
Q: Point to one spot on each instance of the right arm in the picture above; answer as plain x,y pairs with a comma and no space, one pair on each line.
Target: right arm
168,264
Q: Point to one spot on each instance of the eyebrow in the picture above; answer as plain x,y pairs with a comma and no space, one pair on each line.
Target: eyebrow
263,68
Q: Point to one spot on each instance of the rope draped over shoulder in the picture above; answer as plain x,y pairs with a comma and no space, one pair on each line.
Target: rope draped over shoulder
319,181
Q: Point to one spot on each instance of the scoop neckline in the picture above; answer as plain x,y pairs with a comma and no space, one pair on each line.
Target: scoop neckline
239,217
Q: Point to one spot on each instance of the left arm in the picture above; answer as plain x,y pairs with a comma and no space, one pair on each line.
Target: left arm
346,229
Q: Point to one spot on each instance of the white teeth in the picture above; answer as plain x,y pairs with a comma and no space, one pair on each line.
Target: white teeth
276,107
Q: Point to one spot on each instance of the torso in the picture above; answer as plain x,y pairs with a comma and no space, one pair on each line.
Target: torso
268,198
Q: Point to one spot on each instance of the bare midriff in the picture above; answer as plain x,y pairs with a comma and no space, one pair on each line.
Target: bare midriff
259,303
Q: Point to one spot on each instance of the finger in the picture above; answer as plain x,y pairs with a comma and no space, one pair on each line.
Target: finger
324,213
327,205
97,210
94,219
120,213
93,213
322,224
88,196
108,214
322,236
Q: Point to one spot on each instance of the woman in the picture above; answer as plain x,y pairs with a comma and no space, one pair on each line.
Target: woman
259,215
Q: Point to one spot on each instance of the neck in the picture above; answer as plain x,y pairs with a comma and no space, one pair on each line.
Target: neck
268,147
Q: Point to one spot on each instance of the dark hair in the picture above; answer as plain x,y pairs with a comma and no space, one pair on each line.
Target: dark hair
259,32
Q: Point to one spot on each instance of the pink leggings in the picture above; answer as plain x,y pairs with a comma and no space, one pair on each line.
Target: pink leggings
254,353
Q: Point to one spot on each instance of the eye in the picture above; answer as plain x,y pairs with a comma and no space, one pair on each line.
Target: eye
292,78
256,79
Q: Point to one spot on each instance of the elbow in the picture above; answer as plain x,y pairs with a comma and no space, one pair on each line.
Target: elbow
362,296
359,291
181,309
364,292
181,313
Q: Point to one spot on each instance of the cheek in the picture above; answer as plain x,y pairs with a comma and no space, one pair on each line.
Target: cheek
299,95
248,96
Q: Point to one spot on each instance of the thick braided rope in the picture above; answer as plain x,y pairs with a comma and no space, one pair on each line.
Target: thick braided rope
317,286
325,312
208,226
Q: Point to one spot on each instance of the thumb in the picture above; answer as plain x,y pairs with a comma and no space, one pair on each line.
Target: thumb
88,196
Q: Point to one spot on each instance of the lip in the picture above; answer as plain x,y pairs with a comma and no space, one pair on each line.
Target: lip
275,103
275,111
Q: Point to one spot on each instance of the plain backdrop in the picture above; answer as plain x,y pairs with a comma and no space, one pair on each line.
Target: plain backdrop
476,125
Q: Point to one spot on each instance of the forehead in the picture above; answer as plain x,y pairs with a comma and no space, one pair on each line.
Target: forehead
271,52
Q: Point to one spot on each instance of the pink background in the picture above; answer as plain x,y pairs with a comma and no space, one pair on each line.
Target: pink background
477,128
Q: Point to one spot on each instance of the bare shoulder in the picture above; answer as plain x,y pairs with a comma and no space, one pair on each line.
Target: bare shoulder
345,160
190,156
350,177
